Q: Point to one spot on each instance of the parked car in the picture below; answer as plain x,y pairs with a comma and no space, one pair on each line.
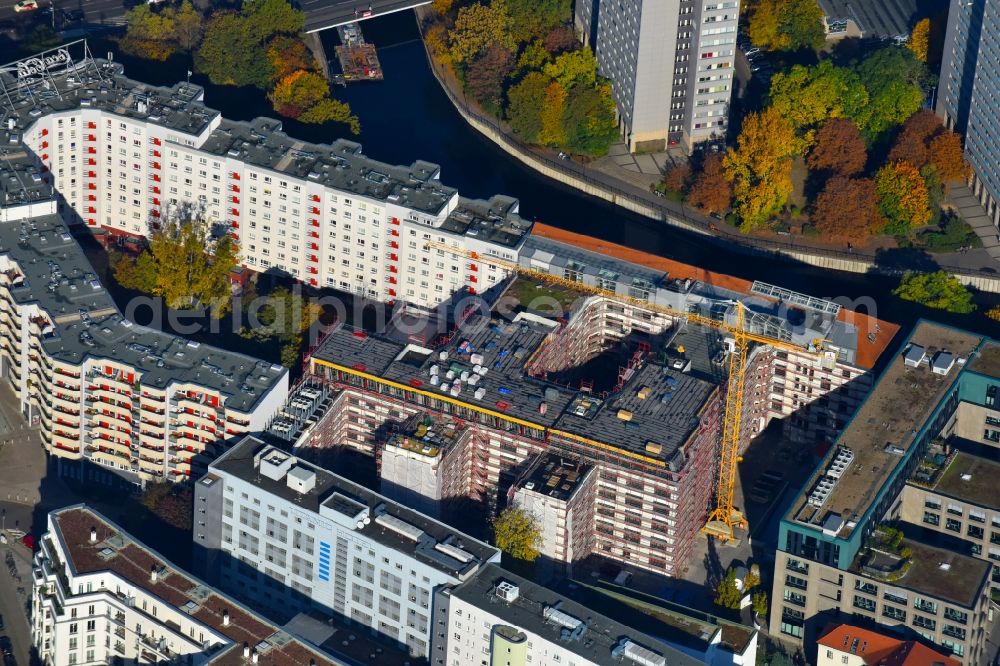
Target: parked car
752,50
26,6
762,67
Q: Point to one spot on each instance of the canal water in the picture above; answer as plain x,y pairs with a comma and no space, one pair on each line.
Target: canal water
407,117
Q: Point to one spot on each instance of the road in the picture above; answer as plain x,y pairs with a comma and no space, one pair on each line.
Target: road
95,12
13,596
323,14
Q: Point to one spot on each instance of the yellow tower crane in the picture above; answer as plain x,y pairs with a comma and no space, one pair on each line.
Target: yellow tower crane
725,518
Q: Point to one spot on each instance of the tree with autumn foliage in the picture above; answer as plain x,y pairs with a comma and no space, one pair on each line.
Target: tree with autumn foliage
786,25
903,197
485,77
156,33
305,95
760,167
920,39
677,177
552,132
839,149
848,209
710,190
947,156
288,54
913,143
478,27
524,108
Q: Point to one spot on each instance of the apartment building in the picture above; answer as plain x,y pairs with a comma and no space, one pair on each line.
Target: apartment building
844,644
289,537
146,404
497,617
671,66
99,596
966,99
952,492
126,156
834,556
473,416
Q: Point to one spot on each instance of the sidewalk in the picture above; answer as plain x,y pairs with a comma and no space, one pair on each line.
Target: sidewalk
973,212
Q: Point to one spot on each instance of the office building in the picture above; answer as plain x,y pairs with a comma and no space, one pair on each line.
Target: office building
289,537
836,557
843,644
967,100
146,404
498,617
99,596
483,414
125,156
671,66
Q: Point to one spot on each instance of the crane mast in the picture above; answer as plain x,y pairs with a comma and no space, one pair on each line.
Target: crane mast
724,519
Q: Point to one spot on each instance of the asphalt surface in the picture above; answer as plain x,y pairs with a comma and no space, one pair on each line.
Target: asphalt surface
323,14
13,597
95,12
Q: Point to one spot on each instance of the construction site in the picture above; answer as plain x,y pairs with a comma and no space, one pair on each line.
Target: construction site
610,419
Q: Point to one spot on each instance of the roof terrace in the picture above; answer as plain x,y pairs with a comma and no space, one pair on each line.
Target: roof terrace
882,432
555,476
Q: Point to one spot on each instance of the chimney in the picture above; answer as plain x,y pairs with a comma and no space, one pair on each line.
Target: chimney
93,535
253,656
154,575
246,650
225,618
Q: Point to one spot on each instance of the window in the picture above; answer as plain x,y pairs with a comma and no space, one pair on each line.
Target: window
795,581
953,525
932,518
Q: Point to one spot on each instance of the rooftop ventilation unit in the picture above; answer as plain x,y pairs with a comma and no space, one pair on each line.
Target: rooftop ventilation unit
301,479
507,591
639,654
399,526
914,355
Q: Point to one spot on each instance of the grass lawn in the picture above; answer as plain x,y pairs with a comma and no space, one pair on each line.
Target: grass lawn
526,291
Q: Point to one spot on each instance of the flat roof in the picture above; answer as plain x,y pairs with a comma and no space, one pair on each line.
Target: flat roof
654,414
972,479
95,83
555,476
987,360
941,573
883,428
528,612
118,552
86,323
332,492
872,336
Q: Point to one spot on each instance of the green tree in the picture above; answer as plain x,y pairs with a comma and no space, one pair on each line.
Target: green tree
588,121
284,315
759,603
173,503
264,19
150,34
533,57
517,533
786,25
894,79
940,290
809,96
727,595
229,55
573,67
903,198
138,274
478,27
524,109
188,267
331,110
189,26
760,167
532,19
